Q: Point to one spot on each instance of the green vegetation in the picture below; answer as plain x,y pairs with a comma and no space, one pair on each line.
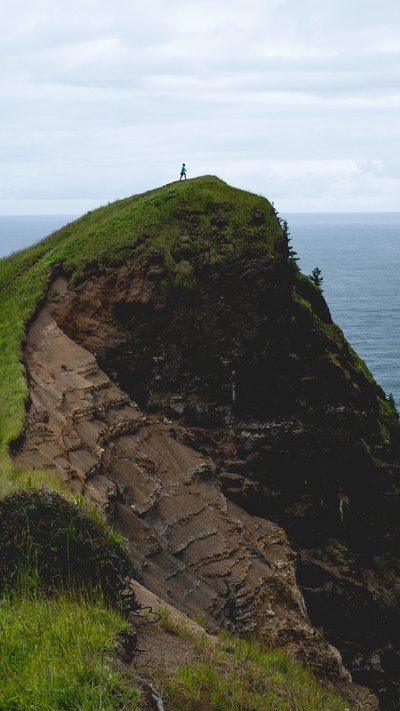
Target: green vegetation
202,221
60,654
14,478
239,674
49,543
58,651
392,405
184,226
388,415
293,258
316,277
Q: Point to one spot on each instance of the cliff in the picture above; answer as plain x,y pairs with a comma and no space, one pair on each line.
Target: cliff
185,376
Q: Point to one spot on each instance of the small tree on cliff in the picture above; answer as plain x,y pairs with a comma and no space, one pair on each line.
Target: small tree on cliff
392,404
316,277
293,258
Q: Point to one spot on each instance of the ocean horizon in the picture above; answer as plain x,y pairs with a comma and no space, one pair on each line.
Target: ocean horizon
21,231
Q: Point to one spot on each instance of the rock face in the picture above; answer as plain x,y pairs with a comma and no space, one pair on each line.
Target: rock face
240,445
190,544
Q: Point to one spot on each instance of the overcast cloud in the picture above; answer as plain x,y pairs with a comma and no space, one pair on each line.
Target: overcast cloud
297,100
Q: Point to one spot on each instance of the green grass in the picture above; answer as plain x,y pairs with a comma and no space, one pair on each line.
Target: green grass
202,221
14,478
240,674
60,654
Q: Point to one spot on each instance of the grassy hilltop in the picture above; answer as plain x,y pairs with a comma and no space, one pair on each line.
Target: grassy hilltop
175,219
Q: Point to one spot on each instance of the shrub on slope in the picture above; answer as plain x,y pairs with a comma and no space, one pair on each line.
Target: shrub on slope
52,543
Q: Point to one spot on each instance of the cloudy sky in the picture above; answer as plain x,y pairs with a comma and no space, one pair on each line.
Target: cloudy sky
296,100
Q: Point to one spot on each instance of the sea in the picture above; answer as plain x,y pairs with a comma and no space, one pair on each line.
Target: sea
20,231
359,258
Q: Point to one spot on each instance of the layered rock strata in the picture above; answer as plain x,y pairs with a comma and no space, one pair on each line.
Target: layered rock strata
189,543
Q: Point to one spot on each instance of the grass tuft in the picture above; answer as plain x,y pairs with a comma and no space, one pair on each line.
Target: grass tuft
53,544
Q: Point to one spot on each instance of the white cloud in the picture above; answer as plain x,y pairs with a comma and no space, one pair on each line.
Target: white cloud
102,100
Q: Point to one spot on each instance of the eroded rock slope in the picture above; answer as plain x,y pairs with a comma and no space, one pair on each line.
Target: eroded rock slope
189,543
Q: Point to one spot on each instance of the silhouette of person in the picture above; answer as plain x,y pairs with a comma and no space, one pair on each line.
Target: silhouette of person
183,172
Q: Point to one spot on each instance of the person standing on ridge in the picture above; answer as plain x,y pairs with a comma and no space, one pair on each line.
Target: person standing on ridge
183,172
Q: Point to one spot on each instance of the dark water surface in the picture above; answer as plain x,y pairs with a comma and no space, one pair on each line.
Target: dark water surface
359,257
20,231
